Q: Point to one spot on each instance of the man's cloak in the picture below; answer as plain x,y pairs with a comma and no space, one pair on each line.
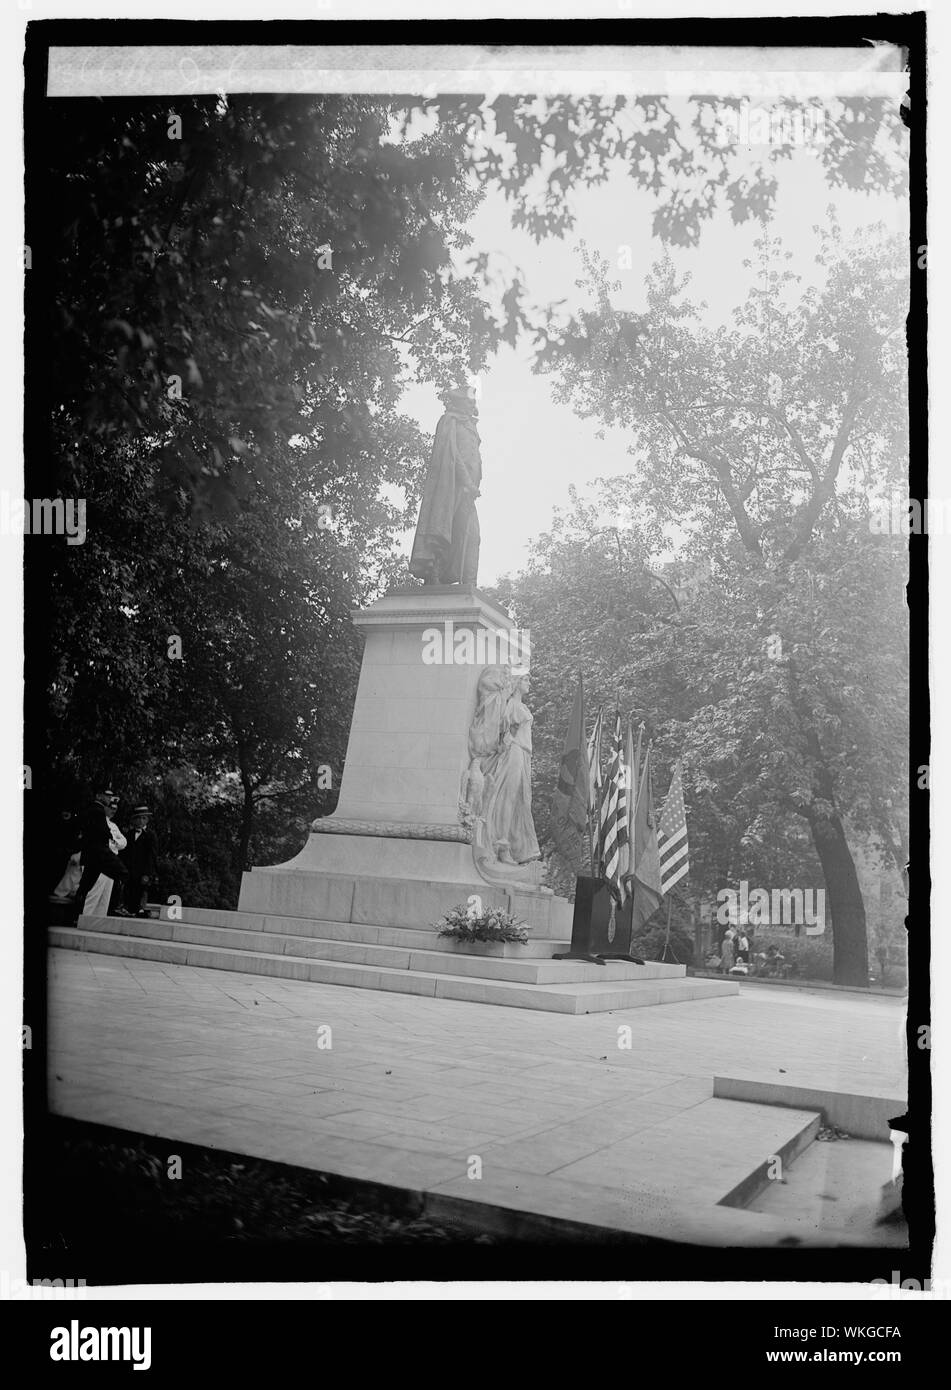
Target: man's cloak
447,538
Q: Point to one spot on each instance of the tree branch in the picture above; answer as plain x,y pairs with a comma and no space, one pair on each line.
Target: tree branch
825,487
405,336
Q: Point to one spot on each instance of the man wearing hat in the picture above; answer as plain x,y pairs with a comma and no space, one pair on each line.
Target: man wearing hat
100,859
139,858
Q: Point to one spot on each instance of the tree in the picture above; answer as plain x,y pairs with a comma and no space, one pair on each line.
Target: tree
598,599
680,152
212,292
683,154
271,655
764,444
212,262
236,315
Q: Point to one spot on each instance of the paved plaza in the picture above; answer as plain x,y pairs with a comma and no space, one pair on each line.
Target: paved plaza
513,1109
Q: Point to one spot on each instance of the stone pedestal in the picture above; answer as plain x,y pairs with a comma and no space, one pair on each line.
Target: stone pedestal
408,741
397,817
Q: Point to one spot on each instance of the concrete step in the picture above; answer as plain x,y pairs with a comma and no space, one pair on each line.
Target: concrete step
418,939
570,998
836,1186
866,1116
721,1152
431,960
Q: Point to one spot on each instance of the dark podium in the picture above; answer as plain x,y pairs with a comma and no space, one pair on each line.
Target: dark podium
600,930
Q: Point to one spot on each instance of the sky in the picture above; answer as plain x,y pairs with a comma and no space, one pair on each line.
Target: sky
533,449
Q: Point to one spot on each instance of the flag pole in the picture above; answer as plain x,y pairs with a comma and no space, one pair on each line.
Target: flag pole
670,904
588,813
592,839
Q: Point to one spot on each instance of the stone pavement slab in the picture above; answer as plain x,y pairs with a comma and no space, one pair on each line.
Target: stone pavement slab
411,1090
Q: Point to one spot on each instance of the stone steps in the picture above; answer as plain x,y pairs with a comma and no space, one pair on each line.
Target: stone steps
720,1152
836,1185
429,960
563,994
409,938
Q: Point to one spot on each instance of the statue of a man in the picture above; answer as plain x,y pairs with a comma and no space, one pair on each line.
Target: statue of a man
446,546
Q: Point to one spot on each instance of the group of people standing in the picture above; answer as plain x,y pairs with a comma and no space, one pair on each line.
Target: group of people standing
107,871
736,957
735,950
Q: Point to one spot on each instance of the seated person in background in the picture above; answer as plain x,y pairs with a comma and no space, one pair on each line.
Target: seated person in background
100,856
775,962
139,858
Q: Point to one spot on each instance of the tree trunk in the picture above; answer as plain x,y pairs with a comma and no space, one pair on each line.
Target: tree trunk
849,936
244,831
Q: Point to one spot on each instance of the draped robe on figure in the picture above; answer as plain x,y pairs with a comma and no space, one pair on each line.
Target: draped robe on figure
446,545
508,787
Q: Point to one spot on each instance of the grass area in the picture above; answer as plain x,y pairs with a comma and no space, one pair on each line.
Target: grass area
111,1204
102,1207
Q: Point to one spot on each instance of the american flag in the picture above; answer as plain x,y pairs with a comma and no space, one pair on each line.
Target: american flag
594,793
614,816
672,835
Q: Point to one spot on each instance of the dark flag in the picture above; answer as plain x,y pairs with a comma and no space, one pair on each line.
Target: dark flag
594,793
569,808
632,767
647,889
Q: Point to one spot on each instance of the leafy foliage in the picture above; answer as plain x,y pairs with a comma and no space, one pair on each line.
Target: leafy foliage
229,409
204,261
771,655
539,149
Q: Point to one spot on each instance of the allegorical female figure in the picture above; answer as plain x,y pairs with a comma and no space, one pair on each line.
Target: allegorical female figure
507,797
446,545
485,732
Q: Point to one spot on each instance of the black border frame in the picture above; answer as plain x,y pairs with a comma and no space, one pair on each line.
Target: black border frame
546,1262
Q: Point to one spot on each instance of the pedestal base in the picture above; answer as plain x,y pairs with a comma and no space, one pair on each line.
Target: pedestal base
395,899
396,840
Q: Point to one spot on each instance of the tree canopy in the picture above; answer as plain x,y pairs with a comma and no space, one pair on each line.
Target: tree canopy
779,674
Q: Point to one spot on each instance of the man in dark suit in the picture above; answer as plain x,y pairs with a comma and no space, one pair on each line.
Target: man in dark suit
140,860
97,857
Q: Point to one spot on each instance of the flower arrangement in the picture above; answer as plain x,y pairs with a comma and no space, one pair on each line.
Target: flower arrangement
476,923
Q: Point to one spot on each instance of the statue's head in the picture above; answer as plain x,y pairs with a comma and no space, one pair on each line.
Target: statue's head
462,397
493,693
494,680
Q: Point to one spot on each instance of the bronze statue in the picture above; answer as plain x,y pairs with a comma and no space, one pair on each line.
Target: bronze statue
446,546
